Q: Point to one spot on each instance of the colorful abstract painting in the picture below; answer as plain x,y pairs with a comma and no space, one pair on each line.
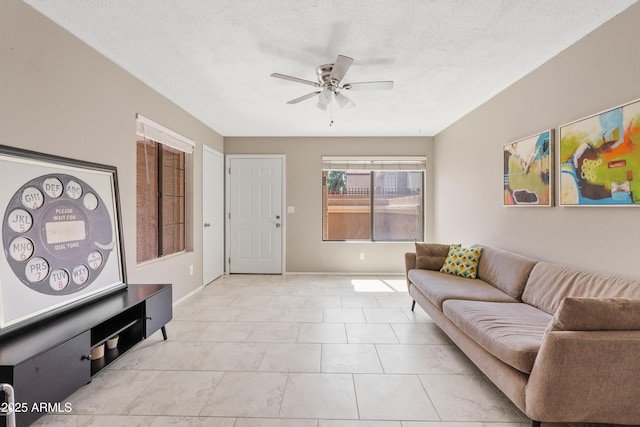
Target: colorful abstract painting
528,171
600,159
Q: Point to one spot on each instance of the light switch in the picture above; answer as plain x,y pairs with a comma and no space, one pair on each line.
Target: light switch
291,209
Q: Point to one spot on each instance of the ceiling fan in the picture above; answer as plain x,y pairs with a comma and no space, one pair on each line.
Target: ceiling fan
330,86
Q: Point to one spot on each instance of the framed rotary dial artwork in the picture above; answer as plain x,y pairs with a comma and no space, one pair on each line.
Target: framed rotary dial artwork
61,234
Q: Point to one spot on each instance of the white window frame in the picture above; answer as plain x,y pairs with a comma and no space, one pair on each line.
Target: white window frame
151,130
381,164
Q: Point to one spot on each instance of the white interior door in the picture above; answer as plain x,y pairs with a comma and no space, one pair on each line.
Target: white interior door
212,215
255,214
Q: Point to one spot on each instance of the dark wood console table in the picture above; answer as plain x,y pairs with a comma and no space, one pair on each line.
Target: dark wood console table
46,363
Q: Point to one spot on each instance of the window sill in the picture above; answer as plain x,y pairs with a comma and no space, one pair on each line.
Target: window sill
163,258
372,241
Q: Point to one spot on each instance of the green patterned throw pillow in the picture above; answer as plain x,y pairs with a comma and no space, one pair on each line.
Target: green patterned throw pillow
462,262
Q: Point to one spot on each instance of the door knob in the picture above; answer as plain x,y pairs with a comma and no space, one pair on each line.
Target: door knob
278,225
206,224
277,216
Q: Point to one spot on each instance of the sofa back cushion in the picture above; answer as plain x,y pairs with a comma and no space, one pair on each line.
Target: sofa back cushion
549,284
505,270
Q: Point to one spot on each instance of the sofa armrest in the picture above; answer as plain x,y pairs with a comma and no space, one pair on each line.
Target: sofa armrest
597,314
586,376
409,264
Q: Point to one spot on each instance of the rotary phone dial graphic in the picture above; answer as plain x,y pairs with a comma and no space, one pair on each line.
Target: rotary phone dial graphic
57,234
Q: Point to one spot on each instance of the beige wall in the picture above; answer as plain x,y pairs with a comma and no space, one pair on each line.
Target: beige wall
598,72
59,96
305,250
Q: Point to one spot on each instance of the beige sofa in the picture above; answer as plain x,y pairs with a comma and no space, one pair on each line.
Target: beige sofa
563,345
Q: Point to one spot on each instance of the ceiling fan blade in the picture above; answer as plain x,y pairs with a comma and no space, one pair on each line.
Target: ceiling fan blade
343,101
302,98
383,85
295,79
340,68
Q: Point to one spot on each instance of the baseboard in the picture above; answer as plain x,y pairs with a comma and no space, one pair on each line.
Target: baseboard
325,273
189,295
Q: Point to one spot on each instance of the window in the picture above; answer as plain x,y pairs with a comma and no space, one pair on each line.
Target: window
160,191
373,199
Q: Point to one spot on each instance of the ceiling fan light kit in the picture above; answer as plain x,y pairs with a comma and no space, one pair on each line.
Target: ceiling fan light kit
330,81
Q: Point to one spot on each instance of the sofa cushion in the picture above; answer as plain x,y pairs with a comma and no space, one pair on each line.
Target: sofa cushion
549,284
597,314
430,256
505,270
512,332
462,262
438,287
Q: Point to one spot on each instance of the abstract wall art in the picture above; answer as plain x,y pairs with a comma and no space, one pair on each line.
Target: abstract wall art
528,171
600,159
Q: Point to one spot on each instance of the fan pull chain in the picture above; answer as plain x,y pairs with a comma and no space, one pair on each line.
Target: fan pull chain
331,111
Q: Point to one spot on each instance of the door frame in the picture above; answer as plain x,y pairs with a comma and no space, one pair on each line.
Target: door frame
221,155
227,204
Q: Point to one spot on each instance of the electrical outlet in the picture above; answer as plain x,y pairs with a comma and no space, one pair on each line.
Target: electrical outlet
361,256
191,270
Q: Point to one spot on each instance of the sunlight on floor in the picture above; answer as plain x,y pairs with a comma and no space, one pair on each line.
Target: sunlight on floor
378,285
399,285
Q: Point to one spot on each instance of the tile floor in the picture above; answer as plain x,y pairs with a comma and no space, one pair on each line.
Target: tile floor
294,351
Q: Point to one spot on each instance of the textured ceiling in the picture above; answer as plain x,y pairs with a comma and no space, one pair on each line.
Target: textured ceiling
214,58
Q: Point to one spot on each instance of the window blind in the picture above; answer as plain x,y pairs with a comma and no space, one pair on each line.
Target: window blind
149,129
414,163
